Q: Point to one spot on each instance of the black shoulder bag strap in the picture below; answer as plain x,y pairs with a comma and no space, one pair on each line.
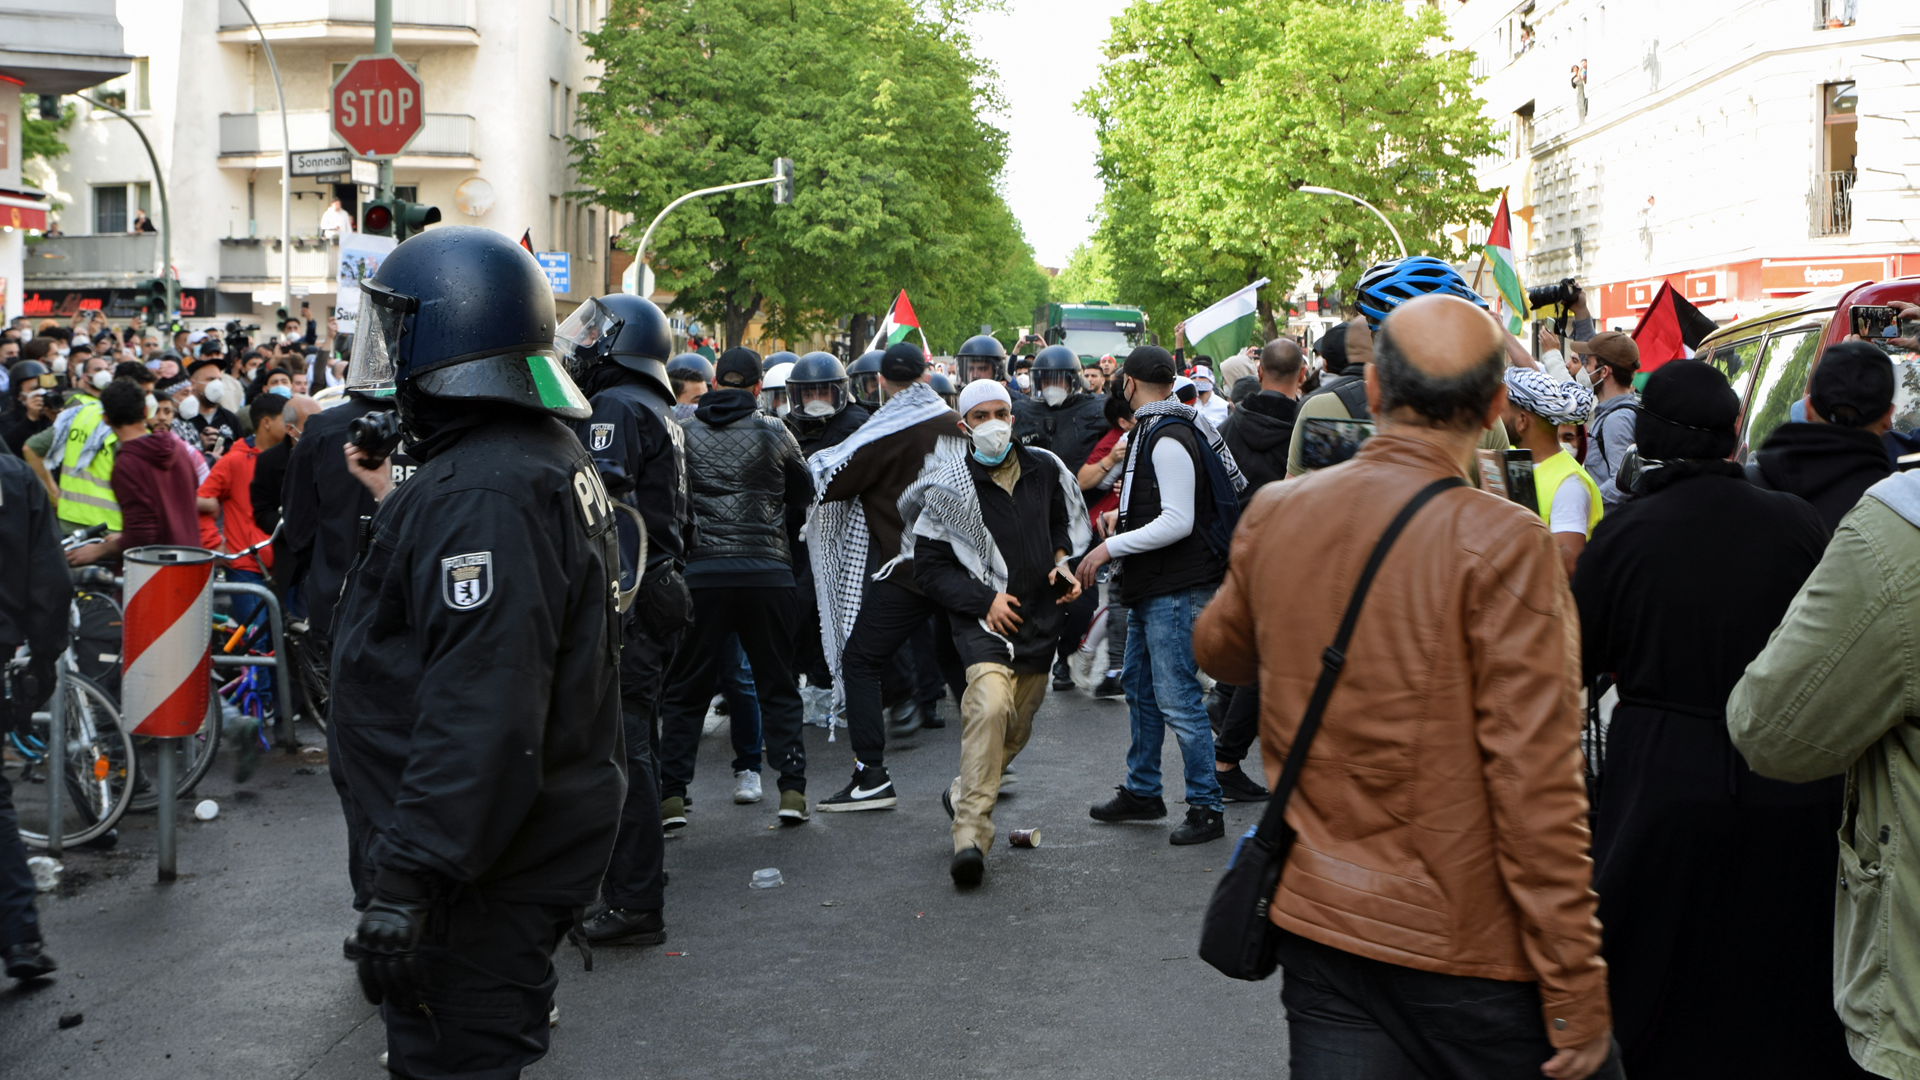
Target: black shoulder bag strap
1237,937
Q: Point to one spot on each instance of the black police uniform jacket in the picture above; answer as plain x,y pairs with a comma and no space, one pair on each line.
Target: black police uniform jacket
474,687
1069,429
640,452
321,505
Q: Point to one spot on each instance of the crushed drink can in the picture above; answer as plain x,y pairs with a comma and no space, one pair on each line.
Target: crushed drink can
1027,838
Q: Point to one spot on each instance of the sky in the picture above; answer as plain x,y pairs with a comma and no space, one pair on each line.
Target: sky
1048,54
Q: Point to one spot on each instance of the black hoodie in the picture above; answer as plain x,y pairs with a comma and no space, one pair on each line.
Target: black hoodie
1259,433
1828,465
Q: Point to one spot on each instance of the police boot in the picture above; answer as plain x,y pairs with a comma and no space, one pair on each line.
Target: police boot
627,926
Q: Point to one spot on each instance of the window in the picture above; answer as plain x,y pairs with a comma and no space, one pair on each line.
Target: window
407,192
566,118
142,95
592,247
1523,131
143,197
110,209
553,108
1833,182
1784,367
1734,359
1832,14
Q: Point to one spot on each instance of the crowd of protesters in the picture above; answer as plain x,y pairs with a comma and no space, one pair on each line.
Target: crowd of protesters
1489,879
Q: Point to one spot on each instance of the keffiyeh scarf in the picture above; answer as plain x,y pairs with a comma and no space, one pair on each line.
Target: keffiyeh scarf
837,536
1144,419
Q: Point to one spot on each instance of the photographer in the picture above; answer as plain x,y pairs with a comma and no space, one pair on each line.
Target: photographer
1578,320
30,414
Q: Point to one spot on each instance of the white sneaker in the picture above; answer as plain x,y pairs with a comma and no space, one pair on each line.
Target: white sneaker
553,1016
746,786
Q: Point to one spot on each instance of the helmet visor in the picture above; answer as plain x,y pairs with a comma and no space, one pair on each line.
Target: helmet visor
773,400
867,386
586,336
818,398
378,328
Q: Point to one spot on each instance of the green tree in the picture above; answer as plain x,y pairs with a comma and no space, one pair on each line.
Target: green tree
1211,113
1087,276
41,138
878,103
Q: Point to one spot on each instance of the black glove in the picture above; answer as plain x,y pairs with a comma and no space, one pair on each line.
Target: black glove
389,935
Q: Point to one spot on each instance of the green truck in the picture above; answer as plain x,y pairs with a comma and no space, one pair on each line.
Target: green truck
1092,330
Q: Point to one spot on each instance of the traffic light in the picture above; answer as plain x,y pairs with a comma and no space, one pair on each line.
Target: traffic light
783,188
151,296
377,218
410,218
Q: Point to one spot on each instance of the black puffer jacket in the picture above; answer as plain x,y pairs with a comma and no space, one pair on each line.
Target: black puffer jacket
1258,433
743,471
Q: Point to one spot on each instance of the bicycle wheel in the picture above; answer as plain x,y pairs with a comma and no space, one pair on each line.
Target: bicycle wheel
309,663
196,757
101,768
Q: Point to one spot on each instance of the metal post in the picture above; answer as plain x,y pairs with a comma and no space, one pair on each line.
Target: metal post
166,209
1311,190
383,46
286,165
57,759
168,756
282,666
646,238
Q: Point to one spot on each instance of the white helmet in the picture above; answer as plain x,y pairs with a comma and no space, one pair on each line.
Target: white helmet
773,390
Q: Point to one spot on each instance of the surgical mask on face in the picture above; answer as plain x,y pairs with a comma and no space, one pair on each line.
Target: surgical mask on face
101,379
283,391
189,407
153,406
991,441
1053,395
214,392
817,407
1023,381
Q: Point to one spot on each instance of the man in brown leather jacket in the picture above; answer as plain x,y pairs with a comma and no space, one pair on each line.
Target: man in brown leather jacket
1436,916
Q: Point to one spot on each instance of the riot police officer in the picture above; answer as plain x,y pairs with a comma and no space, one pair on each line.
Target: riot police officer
774,360
620,344
1062,417
690,375
474,683
863,376
983,357
945,388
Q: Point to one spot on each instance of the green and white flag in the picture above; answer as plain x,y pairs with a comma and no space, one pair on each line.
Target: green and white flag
1227,327
1510,300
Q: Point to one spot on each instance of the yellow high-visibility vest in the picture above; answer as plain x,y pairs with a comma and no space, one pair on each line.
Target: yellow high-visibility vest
86,479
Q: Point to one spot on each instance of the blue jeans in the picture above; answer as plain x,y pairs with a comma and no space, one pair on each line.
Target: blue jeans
743,706
1163,691
245,605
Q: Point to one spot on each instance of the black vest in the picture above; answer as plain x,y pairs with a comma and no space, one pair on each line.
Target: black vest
1187,563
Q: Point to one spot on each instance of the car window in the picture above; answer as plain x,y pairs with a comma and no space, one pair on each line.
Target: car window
1906,387
1784,365
1736,360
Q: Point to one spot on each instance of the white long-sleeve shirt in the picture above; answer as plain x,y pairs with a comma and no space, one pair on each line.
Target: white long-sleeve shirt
1173,468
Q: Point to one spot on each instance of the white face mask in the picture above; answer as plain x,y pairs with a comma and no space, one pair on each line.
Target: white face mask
189,407
1023,380
781,409
817,407
1053,395
152,406
991,441
214,392
101,379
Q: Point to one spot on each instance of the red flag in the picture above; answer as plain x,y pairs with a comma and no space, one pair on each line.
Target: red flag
526,241
1670,329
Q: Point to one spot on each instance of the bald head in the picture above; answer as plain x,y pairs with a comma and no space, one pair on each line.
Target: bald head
1280,360
298,409
1439,361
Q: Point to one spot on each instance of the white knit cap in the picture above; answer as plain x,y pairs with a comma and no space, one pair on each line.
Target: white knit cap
980,390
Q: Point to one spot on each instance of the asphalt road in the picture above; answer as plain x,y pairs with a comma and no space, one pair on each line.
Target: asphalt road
1075,959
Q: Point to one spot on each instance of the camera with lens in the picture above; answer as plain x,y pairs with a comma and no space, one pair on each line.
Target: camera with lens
376,435
53,396
1563,293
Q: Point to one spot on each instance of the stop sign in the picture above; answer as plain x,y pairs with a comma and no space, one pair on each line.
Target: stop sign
377,106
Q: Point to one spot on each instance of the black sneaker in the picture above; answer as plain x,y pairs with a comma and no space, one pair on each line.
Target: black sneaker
871,789
1062,675
1201,826
25,961
1237,786
1126,806
930,715
1110,688
903,720
627,926
968,867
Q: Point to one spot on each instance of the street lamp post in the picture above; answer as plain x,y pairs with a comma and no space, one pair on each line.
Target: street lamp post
782,174
1311,190
166,209
286,167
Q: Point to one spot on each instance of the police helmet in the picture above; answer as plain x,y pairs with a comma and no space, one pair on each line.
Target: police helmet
618,328
773,389
461,313
982,357
1057,367
774,360
944,387
865,376
1389,284
22,370
817,388
692,366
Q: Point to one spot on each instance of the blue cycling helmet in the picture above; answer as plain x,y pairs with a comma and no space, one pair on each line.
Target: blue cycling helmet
1389,284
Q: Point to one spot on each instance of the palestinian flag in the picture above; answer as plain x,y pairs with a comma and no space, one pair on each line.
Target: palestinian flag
1510,300
899,323
1227,327
1670,329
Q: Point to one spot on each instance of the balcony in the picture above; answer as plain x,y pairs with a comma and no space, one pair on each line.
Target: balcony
252,140
350,22
92,262
258,259
1832,200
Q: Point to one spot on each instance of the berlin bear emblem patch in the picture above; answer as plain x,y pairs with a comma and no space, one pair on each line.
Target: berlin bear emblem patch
600,436
466,581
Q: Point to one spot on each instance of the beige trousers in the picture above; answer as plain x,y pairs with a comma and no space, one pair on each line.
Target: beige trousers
996,717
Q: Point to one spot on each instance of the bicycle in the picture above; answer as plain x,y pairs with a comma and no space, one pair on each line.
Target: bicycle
101,767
